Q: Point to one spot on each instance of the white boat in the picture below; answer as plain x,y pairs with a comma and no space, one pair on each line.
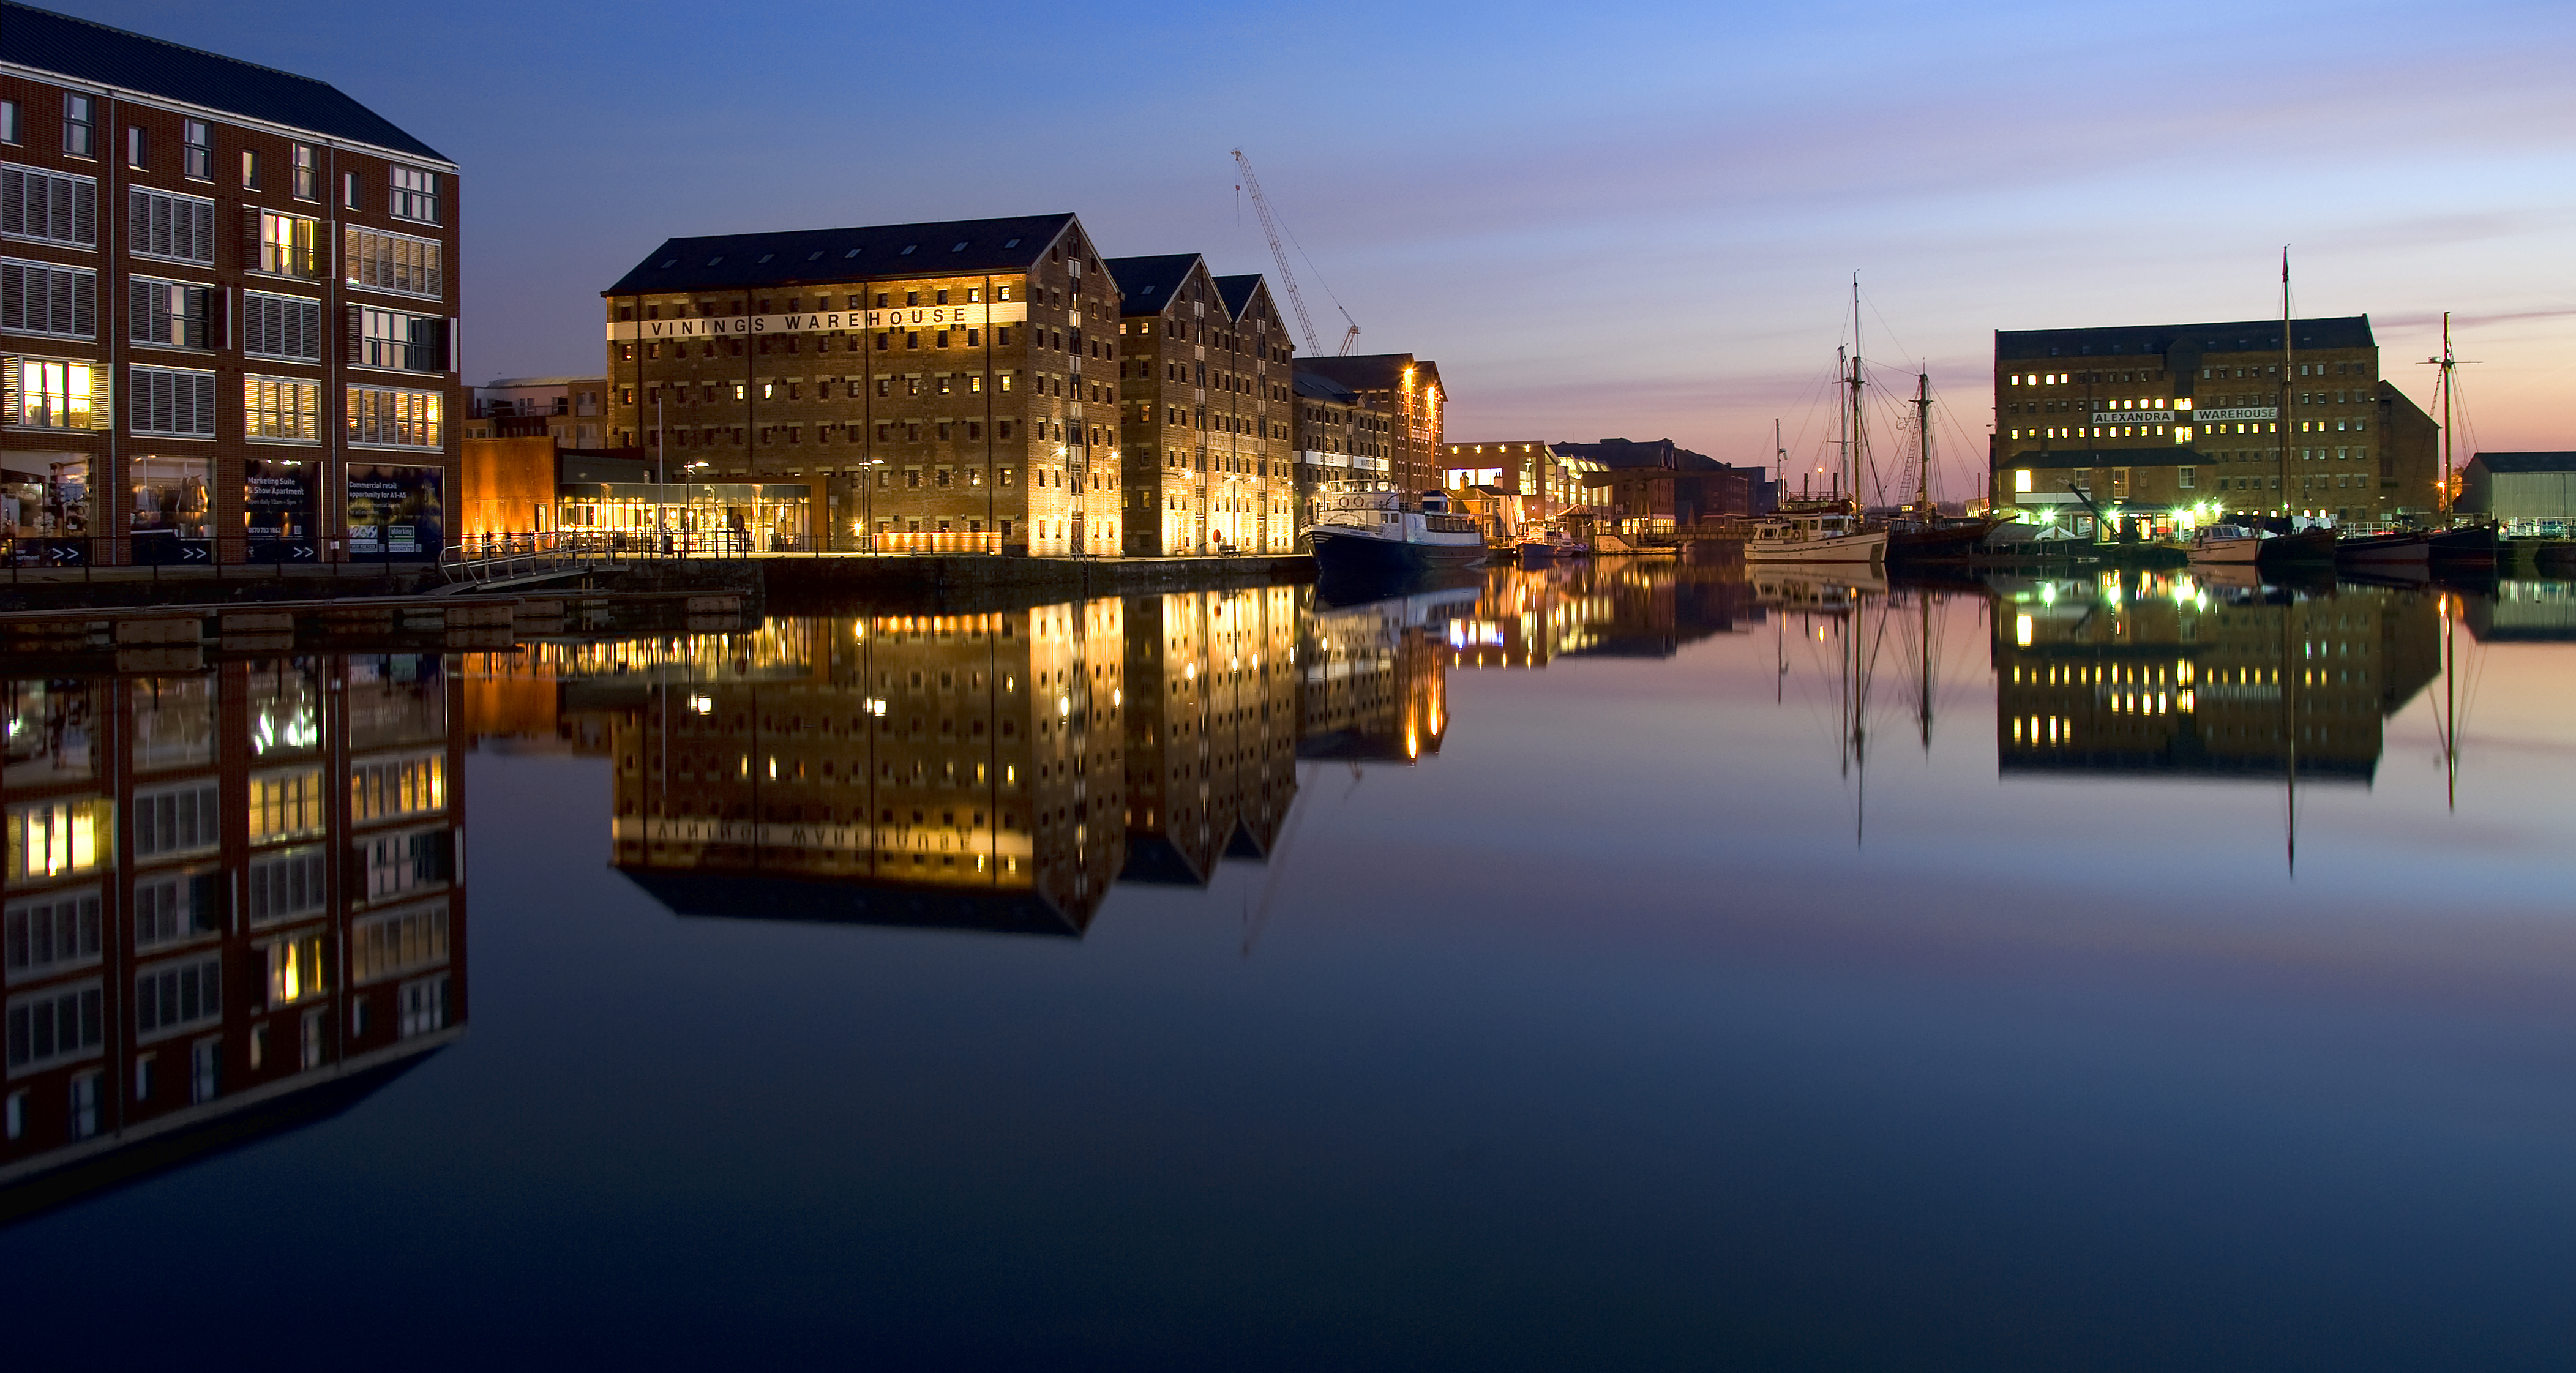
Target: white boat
1367,528
1815,539
2225,543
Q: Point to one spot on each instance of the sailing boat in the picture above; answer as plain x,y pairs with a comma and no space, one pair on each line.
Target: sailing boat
1923,533
1832,533
2240,544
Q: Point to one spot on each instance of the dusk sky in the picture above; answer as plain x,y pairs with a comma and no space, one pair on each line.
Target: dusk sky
1599,220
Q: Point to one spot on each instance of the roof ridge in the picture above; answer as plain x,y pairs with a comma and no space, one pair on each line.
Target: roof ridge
164,42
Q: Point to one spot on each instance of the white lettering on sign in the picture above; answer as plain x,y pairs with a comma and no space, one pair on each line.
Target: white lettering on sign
823,322
2249,412
2133,416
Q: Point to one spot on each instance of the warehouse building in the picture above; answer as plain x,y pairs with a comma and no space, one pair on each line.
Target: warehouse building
935,387
1204,385
2168,424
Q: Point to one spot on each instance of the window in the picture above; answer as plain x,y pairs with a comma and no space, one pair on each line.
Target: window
50,838
415,195
296,969
385,946
250,170
400,786
394,262
285,804
77,125
282,408
390,339
53,1026
175,820
46,934
423,1006
409,419
166,401
286,885
48,207
198,143
172,226
284,245
172,314
171,908
308,173
399,863
282,327
49,393
169,997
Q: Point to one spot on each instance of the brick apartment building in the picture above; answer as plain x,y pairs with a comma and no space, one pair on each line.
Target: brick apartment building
1403,395
227,309
936,386
1204,382
2158,419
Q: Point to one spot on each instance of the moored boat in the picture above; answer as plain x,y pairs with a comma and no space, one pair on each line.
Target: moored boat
1365,528
1815,539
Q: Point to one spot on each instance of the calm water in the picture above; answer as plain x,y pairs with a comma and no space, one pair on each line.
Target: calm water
1630,967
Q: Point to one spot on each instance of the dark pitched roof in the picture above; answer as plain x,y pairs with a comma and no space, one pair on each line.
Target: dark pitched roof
87,51
1371,371
1236,292
2240,336
1315,385
800,257
1623,453
1146,284
2526,462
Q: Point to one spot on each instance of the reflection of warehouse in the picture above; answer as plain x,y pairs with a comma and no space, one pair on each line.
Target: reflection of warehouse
1211,729
2162,675
951,770
230,906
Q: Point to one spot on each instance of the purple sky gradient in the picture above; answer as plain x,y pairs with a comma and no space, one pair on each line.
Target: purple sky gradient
1630,220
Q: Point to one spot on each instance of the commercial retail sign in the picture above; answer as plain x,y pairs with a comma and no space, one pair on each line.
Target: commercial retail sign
396,510
972,315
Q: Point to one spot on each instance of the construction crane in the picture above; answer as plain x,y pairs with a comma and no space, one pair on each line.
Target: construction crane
1288,278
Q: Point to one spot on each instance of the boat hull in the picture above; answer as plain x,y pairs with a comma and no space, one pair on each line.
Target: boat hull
1948,542
2384,550
1343,552
1850,548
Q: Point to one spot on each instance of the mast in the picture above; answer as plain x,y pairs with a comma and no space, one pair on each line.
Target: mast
1923,461
2447,364
2286,426
1853,426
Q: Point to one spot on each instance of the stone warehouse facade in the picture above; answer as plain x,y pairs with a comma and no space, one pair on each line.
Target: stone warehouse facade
228,302
1204,380
946,386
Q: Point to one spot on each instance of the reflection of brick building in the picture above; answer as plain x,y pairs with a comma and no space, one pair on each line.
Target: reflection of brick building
960,770
2205,681
229,897
1211,728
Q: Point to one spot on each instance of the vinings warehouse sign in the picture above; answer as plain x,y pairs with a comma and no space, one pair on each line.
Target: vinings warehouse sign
823,322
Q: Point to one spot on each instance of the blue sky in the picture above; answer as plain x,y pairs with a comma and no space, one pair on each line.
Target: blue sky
1601,220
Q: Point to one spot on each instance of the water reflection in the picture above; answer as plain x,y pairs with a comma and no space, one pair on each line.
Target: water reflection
231,905
2163,673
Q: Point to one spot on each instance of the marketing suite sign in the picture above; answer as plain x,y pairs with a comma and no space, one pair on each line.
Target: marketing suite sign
824,322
